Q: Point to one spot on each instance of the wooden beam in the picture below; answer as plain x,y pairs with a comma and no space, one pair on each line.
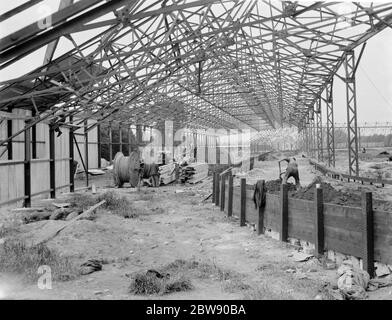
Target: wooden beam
230,197
283,212
243,203
319,222
368,233
27,168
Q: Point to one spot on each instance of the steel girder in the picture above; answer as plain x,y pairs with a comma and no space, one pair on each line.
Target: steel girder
319,131
330,125
288,51
351,98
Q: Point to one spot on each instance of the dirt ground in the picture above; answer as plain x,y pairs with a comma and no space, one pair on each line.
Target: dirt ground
173,223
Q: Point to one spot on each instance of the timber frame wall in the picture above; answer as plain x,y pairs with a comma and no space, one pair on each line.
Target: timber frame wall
361,232
37,162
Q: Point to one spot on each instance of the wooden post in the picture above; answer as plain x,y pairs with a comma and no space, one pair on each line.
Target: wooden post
230,199
213,186
222,199
367,233
283,212
52,163
260,218
243,202
71,159
217,193
319,222
27,168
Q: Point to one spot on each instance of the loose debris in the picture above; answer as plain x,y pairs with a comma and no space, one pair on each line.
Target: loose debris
301,257
85,215
194,172
352,282
90,266
167,173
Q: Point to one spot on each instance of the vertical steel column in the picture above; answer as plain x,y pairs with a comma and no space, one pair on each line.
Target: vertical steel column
330,125
110,143
319,131
34,138
52,162
27,167
71,158
99,144
311,132
352,128
120,137
9,134
129,140
86,150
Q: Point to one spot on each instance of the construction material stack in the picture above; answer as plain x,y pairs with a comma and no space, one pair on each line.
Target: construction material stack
167,173
194,172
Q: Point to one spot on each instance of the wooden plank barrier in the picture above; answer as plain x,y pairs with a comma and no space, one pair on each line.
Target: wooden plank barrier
361,232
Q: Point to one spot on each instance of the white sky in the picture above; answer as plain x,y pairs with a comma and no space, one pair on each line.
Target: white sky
374,76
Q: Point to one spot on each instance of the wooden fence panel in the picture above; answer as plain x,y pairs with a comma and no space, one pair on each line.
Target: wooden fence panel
383,236
272,212
301,219
343,231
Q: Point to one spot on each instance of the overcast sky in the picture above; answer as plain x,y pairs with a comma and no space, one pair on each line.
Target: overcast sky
374,76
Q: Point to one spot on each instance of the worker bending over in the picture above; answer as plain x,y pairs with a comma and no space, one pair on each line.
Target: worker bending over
291,171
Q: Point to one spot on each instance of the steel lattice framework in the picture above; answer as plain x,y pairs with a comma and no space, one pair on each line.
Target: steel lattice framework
203,63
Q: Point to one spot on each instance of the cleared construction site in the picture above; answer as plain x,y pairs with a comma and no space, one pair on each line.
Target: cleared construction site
195,150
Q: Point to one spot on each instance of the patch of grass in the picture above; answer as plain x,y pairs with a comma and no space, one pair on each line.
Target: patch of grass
264,292
201,270
146,197
143,284
117,205
181,283
17,257
148,284
179,274
236,284
82,201
6,231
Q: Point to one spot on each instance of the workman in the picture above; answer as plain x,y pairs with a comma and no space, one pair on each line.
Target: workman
291,171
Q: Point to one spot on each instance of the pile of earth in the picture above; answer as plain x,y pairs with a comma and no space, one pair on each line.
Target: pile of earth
273,186
330,194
